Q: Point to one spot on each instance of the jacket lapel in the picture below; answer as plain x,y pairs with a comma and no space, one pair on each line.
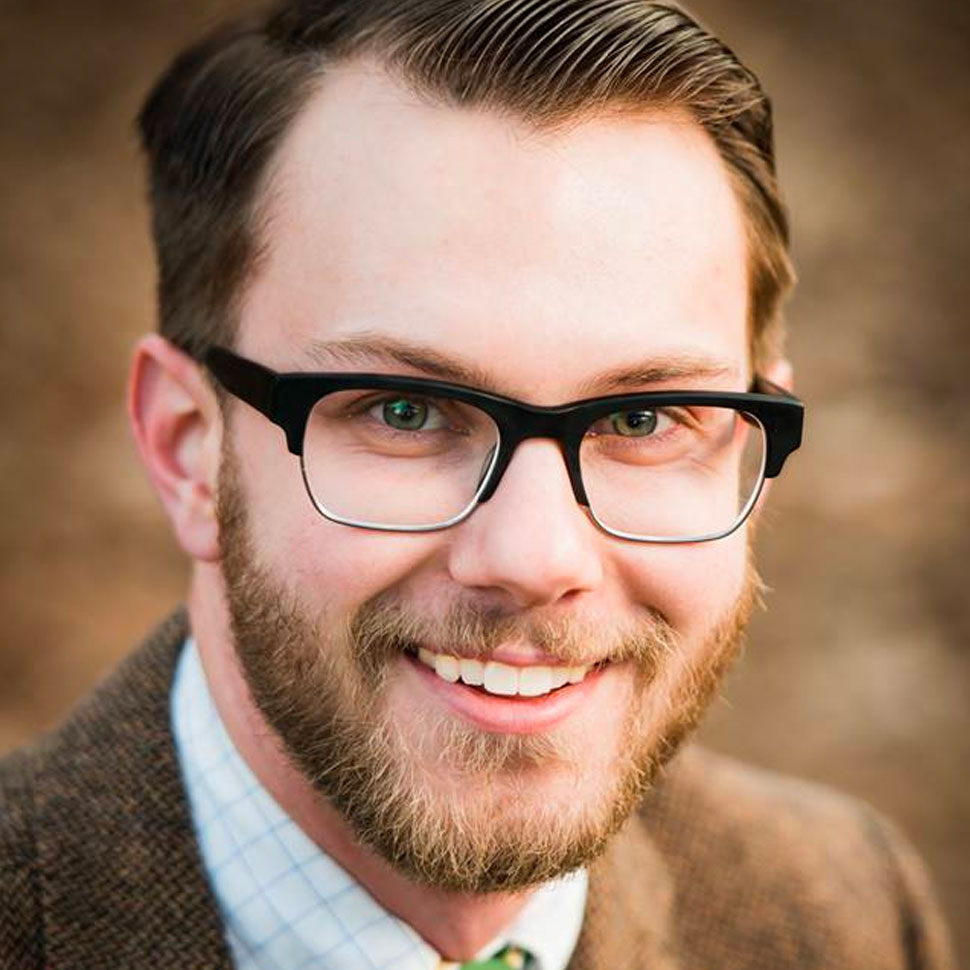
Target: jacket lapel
628,925
121,878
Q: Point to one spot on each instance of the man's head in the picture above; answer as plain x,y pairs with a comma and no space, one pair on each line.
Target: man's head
550,201
214,123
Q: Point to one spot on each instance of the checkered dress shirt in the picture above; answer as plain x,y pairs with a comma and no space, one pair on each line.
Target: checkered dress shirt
285,904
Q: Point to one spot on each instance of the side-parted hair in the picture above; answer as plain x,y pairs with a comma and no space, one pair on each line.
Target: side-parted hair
215,119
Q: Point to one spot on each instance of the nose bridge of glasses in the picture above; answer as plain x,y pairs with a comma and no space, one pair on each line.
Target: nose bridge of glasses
524,423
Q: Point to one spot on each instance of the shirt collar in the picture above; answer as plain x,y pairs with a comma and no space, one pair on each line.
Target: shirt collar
285,903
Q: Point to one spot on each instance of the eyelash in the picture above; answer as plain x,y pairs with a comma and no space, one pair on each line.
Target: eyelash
679,418
366,405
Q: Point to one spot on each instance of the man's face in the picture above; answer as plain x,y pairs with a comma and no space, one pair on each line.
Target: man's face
402,237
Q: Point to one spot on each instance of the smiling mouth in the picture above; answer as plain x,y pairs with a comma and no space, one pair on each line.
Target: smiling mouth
499,679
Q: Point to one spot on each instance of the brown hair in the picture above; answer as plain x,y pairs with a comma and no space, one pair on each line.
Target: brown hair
216,117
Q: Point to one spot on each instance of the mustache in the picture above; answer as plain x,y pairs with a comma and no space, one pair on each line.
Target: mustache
385,626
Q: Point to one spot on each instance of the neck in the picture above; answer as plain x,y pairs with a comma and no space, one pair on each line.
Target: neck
457,925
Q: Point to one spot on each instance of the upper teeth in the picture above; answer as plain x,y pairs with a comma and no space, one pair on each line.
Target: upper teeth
499,678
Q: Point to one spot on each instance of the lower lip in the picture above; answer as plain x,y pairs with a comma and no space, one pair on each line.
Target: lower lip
509,715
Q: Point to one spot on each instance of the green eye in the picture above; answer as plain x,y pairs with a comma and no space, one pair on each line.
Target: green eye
403,414
633,424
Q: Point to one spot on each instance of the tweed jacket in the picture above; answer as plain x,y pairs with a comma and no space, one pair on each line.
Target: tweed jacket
722,868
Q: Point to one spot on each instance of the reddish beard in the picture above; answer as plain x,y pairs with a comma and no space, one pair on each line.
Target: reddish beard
322,685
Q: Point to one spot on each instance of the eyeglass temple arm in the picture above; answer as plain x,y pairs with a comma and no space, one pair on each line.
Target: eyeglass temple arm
247,380
786,426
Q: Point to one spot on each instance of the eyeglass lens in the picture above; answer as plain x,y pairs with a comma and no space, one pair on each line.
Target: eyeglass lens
398,460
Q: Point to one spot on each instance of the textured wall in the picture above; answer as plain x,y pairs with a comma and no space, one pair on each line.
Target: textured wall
859,674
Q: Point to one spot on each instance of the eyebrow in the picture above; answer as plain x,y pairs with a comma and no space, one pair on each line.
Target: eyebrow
366,349
687,366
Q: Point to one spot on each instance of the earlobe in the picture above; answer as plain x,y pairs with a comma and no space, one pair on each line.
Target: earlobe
177,427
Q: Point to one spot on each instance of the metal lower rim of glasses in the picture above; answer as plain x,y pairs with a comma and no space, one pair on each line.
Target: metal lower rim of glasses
736,524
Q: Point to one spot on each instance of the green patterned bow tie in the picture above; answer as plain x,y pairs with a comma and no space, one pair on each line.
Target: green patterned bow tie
508,958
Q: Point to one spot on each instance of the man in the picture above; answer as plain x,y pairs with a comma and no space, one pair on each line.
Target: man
467,393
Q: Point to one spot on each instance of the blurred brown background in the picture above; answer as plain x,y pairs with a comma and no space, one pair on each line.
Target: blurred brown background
860,673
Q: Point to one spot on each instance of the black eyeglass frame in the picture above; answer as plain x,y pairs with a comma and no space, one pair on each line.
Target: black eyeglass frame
287,399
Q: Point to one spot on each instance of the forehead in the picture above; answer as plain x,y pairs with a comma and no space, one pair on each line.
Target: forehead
538,256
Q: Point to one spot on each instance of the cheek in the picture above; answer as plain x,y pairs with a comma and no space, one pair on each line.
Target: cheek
693,586
342,567
325,565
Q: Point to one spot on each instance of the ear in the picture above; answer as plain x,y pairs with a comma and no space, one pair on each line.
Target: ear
177,425
780,372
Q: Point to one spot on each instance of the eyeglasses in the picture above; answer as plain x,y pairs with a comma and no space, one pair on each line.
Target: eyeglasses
408,454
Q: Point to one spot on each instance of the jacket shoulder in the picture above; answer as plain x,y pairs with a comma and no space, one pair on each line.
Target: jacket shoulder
92,821
21,931
791,866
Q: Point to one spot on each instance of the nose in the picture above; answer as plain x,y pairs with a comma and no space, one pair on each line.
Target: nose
530,543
